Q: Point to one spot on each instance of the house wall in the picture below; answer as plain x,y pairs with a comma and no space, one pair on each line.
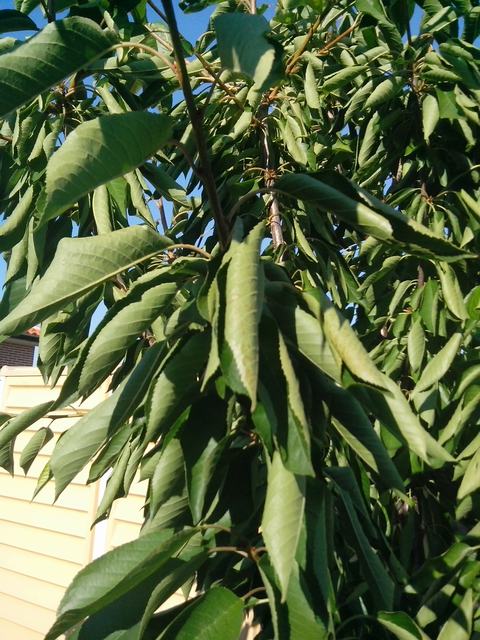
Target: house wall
17,353
43,545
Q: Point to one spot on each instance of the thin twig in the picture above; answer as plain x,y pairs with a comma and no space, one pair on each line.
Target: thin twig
244,554
340,37
159,39
160,13
197,125
273,209
292,62
300,51
208,67
190,247
219,527
161,211
250,593
6,138
150,50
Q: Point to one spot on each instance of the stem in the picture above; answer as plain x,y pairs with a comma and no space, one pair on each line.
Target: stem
147,49
196,120
343,35
292,62
273,210
190,247
252,592
208,67
299,52
244,554
161,211
157,10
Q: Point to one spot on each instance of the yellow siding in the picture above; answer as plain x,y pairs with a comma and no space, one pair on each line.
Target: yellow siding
44,544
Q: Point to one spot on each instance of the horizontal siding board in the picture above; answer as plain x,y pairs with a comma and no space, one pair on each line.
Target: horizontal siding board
15,631
51,543
34,564
26,614
41,516
34,590
75,496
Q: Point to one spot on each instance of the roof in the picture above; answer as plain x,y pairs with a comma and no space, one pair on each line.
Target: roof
34,332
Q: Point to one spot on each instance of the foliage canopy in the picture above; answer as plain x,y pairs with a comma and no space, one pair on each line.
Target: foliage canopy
282,220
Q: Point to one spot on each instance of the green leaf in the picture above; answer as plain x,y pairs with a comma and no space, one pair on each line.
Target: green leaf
244,294
124,327
202,446
177,572
471,479
98,151
176,385
13,227
282,519
383,92
169,476
244,48
59,50
459,625
77,445
351,421
36,442
385,223
416,345
11,20
401,625
451,291
430,115
302,620
80,264
380,584
21,422
216,615
342,77
439,364
114,574
311,91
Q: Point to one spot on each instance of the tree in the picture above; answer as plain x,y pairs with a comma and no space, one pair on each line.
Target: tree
294,357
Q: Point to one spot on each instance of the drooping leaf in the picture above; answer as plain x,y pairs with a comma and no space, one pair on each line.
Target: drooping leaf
439,364
37,441
217,615
401,625
282,519
56,52
114,574
176,385
245,50
242,314
110,344
386,225
12,20
80,443
430,115
99,151
79,265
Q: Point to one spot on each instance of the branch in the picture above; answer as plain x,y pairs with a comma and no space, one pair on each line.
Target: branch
196,120
150,50
292,62
269,173
340,37
208,67
190,247
157,10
